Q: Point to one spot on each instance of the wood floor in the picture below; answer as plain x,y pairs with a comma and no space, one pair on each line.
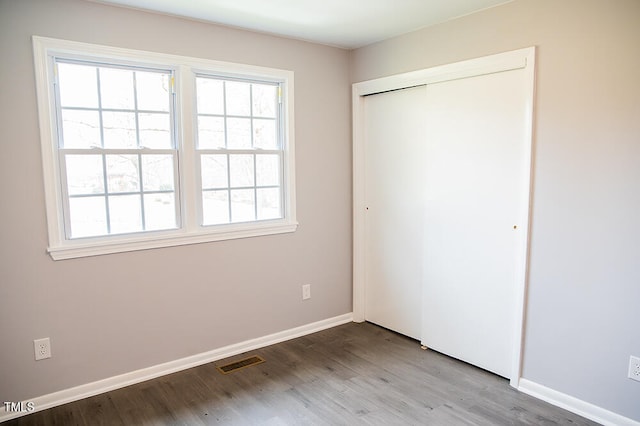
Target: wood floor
348,375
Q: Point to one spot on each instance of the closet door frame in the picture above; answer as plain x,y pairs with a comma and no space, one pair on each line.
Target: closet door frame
522,59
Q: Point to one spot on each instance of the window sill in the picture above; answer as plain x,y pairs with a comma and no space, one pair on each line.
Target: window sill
84,248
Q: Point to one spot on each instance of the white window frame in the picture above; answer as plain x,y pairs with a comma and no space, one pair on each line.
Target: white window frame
189,230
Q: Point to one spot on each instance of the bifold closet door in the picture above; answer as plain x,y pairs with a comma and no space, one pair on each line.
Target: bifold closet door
394,213
475,166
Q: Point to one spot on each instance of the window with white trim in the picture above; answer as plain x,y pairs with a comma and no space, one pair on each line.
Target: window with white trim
145,150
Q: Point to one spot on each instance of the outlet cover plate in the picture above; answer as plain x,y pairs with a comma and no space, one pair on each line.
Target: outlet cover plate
634,368
42,348
306,291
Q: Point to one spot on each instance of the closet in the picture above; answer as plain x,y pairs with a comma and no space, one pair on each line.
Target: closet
442,165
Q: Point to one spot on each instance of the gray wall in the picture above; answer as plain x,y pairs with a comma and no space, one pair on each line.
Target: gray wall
583,311
112,314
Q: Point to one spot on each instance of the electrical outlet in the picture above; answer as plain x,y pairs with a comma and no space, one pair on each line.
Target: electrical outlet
634,368
42,348
306,291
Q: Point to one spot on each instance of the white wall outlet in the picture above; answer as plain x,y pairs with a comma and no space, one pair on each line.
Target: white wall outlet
42,348
306,291
634,368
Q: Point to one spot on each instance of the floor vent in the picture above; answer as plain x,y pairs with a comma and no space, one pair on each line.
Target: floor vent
238,365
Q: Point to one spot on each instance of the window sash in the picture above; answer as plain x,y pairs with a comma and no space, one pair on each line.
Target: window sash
104,154
255,187
113,64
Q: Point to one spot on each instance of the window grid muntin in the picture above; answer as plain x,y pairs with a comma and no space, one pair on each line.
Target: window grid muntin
138,151
278,125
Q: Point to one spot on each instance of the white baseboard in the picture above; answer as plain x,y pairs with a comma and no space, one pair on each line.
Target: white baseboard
101,386
575,405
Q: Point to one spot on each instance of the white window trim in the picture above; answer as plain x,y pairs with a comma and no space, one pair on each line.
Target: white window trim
190,232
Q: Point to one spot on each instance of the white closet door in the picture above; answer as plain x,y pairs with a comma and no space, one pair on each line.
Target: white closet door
394,200
475,166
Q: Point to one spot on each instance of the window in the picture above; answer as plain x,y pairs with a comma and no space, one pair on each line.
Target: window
144,150
116,149
238,150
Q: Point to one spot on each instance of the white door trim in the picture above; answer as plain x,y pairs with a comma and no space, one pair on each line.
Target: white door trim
517,59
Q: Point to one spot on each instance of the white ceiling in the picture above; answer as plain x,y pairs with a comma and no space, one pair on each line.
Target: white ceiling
343,23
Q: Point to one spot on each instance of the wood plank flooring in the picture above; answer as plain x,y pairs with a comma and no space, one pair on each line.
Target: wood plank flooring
348,375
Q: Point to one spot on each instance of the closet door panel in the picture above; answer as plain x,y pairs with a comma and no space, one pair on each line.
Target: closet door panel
474,166
394,198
